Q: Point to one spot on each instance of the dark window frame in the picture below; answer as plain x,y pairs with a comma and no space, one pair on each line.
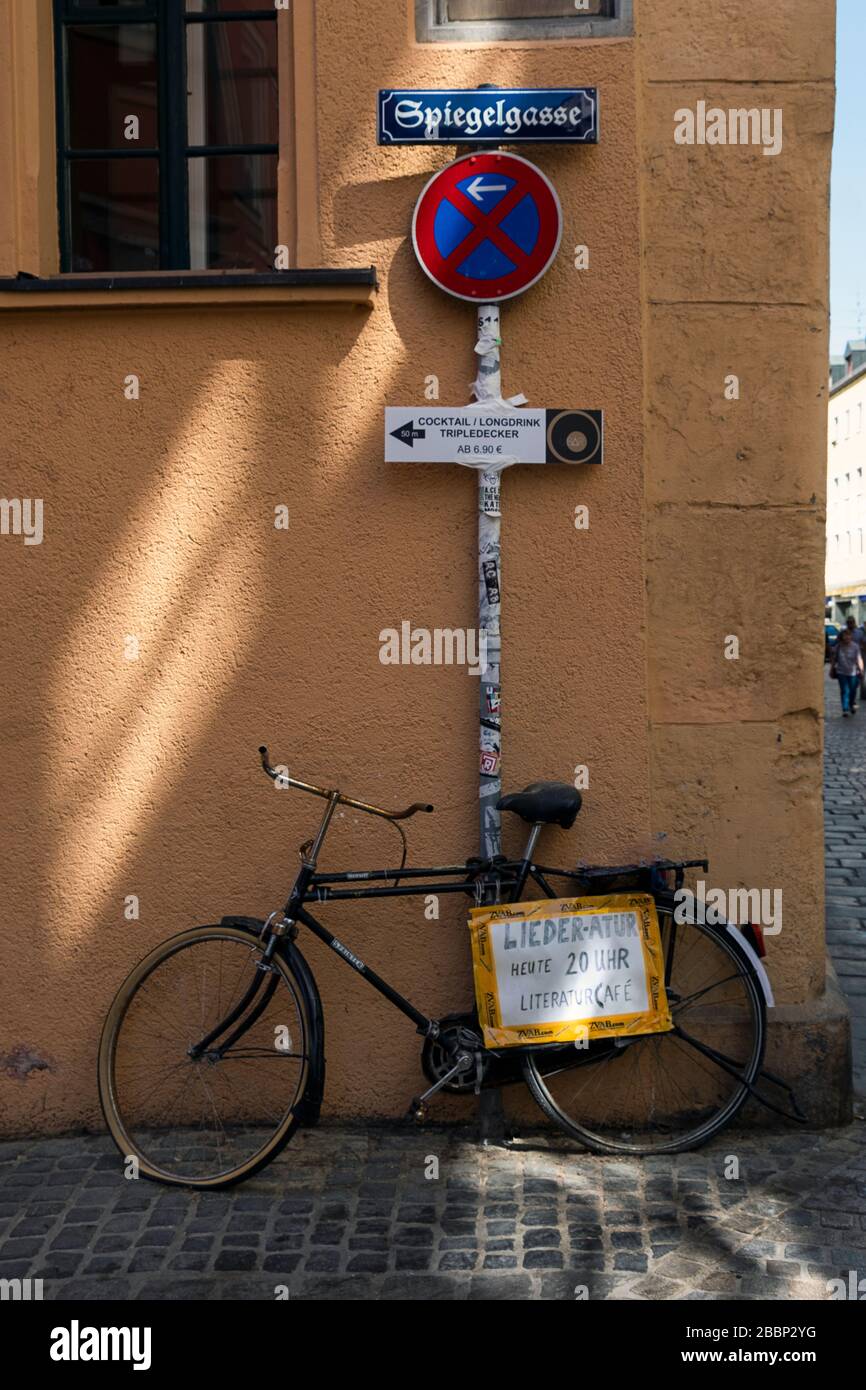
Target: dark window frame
170,19
433,26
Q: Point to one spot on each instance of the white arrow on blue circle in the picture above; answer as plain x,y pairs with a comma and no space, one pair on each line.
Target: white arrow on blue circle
478,188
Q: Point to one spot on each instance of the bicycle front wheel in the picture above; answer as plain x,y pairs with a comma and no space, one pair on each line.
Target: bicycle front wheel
204,1056
665,1092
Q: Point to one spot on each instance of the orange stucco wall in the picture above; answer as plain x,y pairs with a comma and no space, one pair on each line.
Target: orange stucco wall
140,776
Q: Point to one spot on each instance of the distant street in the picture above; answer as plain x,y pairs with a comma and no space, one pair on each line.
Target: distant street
845,831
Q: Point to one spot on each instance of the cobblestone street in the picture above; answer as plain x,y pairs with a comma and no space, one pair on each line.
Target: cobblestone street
845,830
351,1213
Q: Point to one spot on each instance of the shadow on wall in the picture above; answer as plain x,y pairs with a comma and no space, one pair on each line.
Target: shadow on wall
171,631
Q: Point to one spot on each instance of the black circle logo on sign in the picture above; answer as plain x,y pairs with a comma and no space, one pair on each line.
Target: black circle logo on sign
573,436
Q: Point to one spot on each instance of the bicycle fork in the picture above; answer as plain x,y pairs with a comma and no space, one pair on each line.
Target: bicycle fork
264,971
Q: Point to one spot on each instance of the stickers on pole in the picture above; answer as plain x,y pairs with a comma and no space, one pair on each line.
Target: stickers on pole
569,969
487,227
477,436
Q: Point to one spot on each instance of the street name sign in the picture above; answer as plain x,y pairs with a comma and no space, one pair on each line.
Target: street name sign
475,435
499,116
487,227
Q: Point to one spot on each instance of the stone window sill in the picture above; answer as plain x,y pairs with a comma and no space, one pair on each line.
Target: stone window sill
177,289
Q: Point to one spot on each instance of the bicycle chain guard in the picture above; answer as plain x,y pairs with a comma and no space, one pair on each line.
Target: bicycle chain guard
457,1032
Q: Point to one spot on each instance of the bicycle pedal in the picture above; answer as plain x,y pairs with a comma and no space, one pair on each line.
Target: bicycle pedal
417,1111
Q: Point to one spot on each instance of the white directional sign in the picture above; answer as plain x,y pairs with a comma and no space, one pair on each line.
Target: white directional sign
444,434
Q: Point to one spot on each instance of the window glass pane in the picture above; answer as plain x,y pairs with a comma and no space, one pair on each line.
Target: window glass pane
232,83
114,214
233,211
525,9
111,75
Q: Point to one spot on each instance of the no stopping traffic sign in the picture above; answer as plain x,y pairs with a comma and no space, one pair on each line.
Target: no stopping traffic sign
487,227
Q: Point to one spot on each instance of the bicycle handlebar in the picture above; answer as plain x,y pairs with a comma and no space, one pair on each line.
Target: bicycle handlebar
342,800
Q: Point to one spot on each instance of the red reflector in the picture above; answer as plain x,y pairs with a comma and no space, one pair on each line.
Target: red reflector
755,936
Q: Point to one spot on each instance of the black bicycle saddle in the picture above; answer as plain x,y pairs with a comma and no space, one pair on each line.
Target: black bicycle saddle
553,803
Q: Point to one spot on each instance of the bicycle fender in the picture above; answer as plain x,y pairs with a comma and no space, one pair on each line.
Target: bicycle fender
688,901
309,1106
757,964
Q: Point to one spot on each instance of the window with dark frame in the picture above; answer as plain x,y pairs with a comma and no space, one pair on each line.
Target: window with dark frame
488,21
455,10
167,121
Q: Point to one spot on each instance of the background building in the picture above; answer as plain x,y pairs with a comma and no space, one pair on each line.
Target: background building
165,627
846,492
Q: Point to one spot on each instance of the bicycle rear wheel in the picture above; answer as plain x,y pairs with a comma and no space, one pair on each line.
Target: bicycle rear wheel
205,1118
665,1092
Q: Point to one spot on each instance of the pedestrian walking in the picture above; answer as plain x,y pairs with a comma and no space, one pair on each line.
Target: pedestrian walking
846,666
858,632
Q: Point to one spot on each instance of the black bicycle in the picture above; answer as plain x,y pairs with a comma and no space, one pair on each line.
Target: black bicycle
213,1050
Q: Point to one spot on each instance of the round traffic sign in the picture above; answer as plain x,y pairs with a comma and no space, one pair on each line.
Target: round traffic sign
487,227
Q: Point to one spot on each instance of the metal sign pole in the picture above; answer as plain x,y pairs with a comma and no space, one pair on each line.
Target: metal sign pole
489,225
489,387
492,1125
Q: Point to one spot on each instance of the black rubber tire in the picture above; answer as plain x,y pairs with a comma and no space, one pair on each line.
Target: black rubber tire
107,1048
595,1143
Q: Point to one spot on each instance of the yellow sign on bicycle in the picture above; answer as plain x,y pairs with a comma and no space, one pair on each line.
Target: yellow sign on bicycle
569,969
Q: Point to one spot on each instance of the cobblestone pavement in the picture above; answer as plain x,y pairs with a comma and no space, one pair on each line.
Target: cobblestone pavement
845,830
350,1213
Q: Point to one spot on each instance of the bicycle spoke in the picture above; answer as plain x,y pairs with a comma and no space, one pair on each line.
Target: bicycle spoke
269,1053
667,1091
698,994
199,1117
726,1063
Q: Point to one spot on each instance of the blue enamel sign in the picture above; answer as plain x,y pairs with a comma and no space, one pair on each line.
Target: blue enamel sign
499,116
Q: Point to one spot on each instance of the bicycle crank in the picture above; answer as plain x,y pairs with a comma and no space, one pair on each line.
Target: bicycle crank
418,1104
457,1033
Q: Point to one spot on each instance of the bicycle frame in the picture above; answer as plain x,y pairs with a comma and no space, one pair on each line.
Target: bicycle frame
311,886
477,882
483,880
454,1054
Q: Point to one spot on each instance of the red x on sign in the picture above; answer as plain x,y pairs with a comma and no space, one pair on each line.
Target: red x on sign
487,227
